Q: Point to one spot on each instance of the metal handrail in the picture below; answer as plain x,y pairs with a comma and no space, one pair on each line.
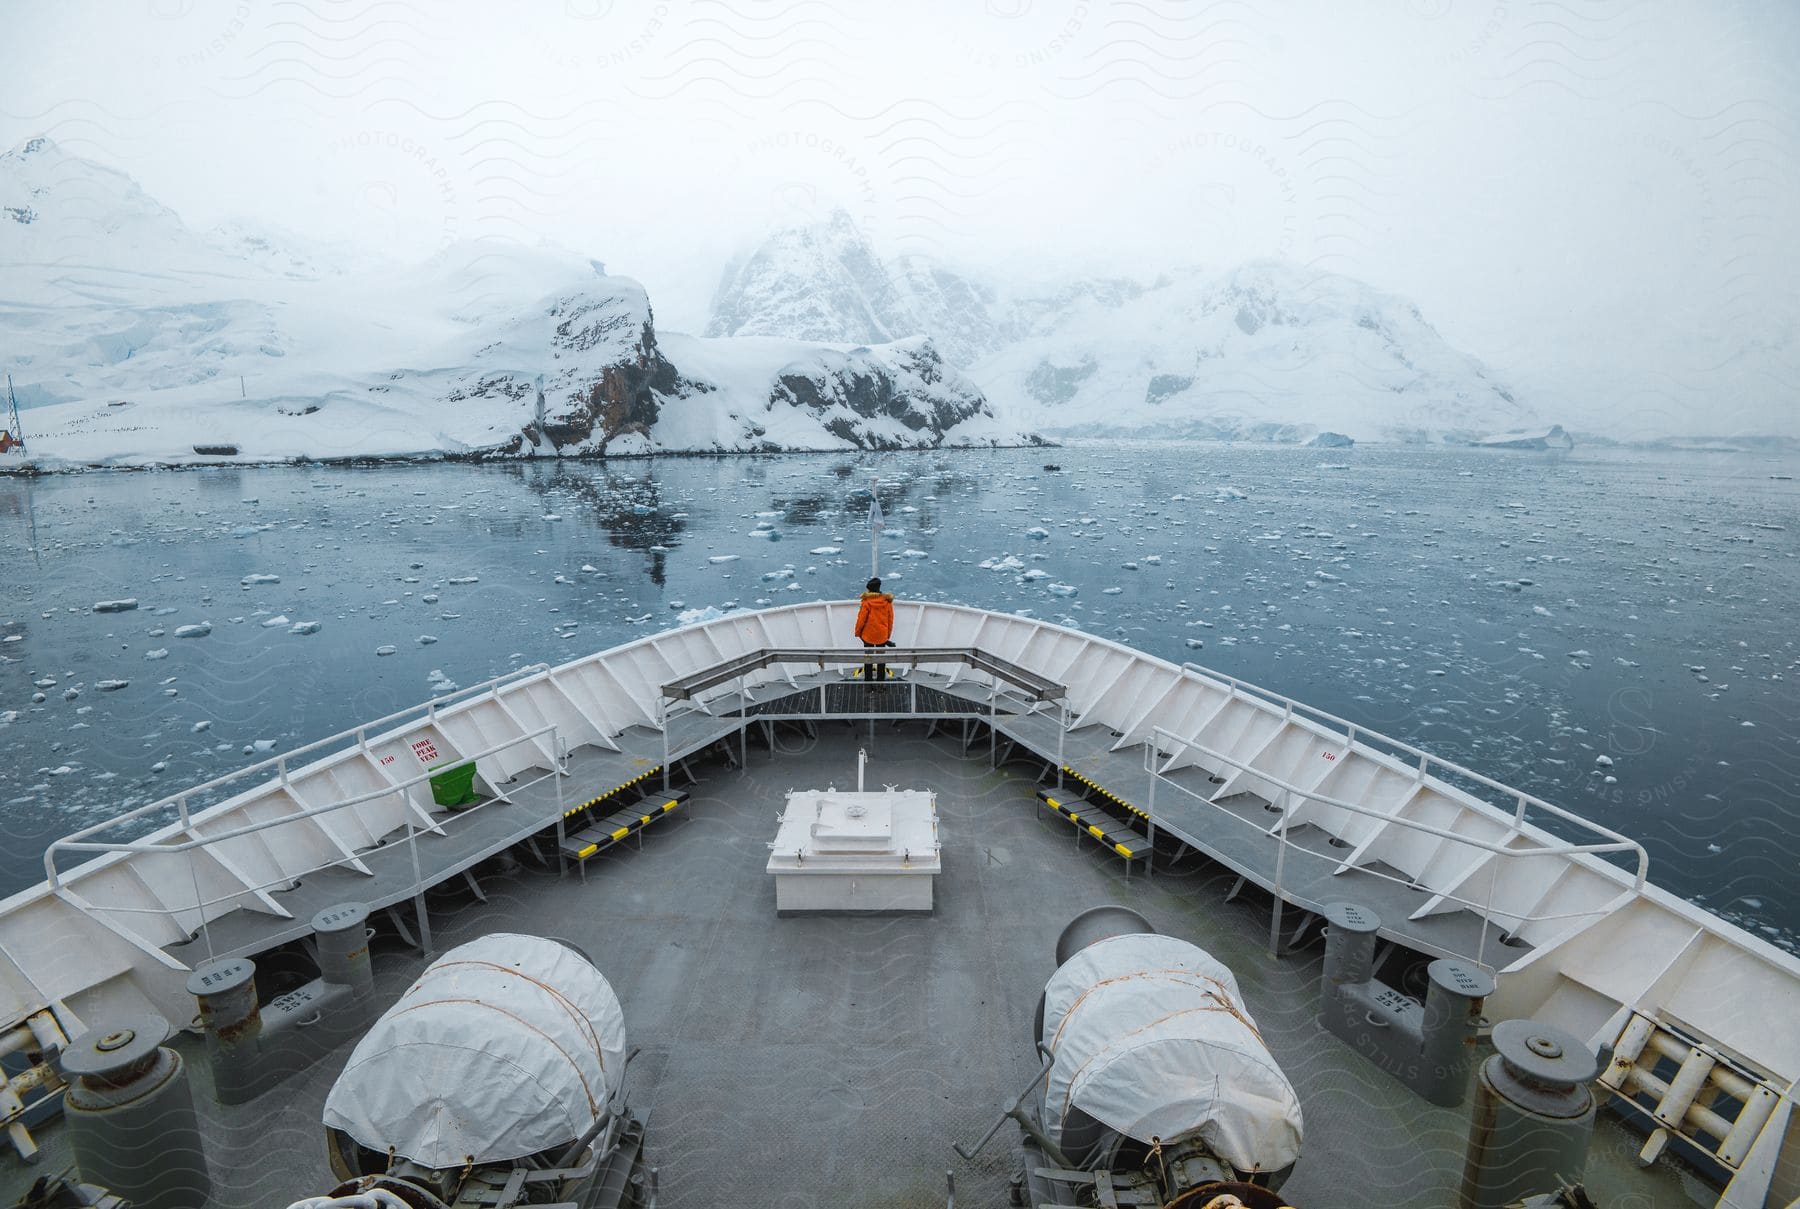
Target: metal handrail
292,877
77,841
1038,687
1515,826
279,762
1352,730
1557,847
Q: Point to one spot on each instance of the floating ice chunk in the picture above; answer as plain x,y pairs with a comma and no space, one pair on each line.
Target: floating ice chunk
552,516
716,559
111,686
159,766
1152,559
115,606
278,619
430,598
8,716
1131,566
704,613
262,745
1112,591
304,627
1541,611
1063,589
202,725
1195,644
250,581
1603,761
465,579
827,550
590,568
1035,574
1229,493
199,629
1610,780
1037,533
914,554
766,534
386,650
426,639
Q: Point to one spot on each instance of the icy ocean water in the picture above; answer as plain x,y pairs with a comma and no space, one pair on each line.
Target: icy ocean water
1519,613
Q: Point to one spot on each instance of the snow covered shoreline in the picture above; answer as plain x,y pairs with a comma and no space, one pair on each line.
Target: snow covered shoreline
488,349
46,468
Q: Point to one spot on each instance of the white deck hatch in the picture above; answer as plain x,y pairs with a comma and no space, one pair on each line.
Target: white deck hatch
839,850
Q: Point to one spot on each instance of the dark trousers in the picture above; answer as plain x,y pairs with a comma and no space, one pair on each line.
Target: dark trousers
874,671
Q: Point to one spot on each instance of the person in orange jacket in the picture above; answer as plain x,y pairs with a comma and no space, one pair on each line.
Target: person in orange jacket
875,625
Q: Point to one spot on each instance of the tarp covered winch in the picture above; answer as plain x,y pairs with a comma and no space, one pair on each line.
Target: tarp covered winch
1151,1038
504,1047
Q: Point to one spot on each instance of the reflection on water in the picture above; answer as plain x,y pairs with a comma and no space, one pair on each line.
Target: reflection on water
1521,615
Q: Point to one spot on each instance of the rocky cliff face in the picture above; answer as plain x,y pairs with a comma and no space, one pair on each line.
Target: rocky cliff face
286,352
1265,351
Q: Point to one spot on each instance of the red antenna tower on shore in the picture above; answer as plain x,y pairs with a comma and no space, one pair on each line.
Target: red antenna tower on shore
12,436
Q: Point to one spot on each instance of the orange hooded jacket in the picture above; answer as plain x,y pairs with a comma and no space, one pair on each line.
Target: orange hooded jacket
875,619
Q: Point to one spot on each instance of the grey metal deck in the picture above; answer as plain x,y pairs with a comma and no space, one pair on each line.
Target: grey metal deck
832,1061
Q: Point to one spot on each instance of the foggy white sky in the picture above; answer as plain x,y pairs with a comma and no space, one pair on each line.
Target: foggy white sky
1596,198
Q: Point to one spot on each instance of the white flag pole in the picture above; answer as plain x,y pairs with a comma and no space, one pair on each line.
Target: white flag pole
875,527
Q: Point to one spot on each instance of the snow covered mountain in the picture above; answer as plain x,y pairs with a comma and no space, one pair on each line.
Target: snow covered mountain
132,338
1265,351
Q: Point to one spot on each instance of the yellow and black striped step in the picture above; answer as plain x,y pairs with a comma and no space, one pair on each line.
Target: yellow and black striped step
579,845
1097,790
1085,816
598,798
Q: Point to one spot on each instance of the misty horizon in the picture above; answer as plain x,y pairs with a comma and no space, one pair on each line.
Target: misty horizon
1557,192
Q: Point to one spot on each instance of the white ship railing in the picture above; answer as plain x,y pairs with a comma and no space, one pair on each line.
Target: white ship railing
1354,733
80,841
1545,844
179,801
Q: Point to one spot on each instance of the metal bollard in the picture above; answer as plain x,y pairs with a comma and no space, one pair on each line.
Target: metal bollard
343,934
1534,1116
1430,1046
131,1117
1349,943
232,1018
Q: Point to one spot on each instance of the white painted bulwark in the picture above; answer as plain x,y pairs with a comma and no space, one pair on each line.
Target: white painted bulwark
844,851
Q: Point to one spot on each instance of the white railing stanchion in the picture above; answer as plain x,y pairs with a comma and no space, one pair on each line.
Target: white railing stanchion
557,774
1062,728
1151,751
1487,914
412,844
1280,863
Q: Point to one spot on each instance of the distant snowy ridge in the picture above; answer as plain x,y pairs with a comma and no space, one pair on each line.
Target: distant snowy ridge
1264,351
133,340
